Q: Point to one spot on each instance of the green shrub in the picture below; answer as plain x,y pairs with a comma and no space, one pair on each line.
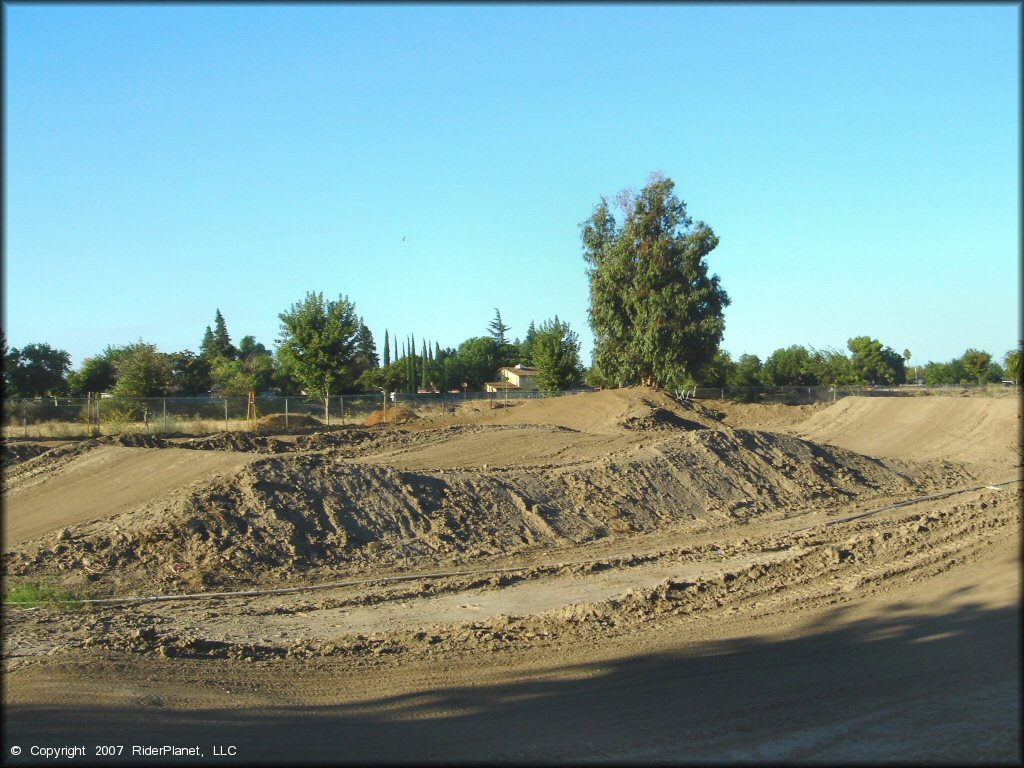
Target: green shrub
44,594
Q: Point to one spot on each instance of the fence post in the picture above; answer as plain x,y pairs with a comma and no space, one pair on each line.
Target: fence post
24,417
341,398
165,415
226,415
286,413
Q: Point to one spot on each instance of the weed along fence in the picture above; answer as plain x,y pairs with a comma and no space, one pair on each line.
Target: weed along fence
58,417
80,417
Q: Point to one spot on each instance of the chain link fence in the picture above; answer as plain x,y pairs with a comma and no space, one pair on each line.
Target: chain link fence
57,417
93,416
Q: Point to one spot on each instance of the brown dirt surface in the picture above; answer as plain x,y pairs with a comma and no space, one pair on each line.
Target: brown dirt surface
274,421
237,441
15,453
972,429
396,414
581,569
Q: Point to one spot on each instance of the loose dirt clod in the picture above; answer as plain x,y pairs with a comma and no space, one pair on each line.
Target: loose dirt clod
395,415
286,421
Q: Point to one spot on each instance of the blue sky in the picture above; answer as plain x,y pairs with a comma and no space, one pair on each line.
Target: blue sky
859,163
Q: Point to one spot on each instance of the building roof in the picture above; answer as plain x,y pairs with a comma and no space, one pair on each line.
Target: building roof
520,371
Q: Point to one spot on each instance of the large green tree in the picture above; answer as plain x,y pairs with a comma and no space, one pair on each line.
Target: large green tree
976,364
97,374
249,347
657,315
191,374
789,366
556,355
874,362
35,370
719,371
833,368
1013,363
142,371
318,338
937,374
747,372
476,362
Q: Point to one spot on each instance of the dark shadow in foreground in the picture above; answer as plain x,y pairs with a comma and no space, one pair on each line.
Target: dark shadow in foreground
897,688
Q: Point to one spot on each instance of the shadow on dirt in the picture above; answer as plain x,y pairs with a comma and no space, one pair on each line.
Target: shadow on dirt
939,688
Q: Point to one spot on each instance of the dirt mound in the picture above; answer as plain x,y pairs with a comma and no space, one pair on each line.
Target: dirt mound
604,412
395,415
292,513
39,467
771,416
344,438
287,421
659,419
237,441
133,440
15,453
975,429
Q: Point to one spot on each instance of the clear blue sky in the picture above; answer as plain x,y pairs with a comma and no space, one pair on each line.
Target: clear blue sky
859,163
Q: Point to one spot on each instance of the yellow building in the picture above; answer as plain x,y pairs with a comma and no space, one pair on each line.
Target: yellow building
515,378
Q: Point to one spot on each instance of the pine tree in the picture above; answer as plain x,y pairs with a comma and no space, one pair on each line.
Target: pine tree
222,339
366,348
526,348
498,329
208,348
557,354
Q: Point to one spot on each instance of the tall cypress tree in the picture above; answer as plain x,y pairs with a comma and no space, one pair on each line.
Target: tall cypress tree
387,349
411,365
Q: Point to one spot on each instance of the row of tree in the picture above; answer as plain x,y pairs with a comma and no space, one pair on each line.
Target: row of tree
868,363
656,312
140,370
324,349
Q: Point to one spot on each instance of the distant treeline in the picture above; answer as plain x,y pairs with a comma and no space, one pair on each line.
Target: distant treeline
223,369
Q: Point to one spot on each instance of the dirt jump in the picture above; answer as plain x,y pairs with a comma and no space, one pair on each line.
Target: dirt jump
605,576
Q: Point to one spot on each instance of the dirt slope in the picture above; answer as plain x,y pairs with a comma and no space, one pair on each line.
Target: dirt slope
48,494
973,429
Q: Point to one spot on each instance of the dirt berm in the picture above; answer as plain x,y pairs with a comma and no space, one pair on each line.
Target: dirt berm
558,473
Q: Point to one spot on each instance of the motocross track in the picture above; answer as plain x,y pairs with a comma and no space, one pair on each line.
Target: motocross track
604,576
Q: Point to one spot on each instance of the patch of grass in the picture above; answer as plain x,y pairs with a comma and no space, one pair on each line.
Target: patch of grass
44,594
